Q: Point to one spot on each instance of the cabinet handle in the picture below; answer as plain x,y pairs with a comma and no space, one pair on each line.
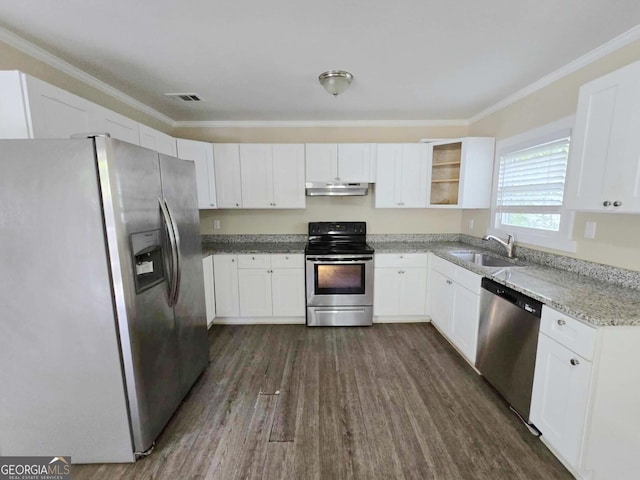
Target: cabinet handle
286,258
606,203
575,361
449,282
233,259
617,203
401,256
212,204
562,322
237,204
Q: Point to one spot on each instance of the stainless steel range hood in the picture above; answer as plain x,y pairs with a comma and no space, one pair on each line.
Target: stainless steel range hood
330,189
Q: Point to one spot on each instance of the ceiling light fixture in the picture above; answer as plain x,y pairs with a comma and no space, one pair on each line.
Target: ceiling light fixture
335,81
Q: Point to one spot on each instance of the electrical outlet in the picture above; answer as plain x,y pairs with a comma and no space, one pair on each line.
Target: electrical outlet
471,222
216,224
590,230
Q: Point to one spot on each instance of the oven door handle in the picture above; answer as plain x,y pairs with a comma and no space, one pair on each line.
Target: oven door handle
339,260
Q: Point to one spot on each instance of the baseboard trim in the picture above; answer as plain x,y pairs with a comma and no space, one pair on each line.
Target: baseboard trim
402,319
259,321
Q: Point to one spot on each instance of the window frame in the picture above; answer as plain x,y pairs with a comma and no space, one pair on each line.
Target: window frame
558,240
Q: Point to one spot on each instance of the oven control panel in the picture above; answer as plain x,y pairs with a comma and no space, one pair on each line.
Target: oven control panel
337,228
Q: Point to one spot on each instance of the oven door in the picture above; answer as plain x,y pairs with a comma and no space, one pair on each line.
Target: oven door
339,280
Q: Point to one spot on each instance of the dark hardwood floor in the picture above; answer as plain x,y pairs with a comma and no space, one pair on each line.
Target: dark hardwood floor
386,402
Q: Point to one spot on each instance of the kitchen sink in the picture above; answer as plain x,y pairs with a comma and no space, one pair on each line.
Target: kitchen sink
484,259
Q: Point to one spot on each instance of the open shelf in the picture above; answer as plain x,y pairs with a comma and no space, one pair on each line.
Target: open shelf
445,164
445,173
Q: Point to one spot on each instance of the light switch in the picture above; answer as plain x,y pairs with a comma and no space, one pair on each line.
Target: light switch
216,224
590,230
471,222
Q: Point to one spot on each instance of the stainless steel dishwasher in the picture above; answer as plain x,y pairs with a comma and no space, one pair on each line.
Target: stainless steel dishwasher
507,343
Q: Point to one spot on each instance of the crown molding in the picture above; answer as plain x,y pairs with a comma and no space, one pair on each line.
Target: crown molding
319,123
32,50
38,53
596,54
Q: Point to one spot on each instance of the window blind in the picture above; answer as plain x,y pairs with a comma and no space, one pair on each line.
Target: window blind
533,176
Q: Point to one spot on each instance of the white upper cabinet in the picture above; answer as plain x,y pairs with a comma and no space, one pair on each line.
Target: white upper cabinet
158,141
402,175
32,108
345,162
226,158
272,175
201,153
103,120
461,172
604,161
288,176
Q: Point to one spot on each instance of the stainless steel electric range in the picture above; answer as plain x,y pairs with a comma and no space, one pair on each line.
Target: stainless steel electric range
339,273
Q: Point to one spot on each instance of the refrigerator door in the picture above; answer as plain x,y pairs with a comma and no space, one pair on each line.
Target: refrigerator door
180,194
131,192
61,385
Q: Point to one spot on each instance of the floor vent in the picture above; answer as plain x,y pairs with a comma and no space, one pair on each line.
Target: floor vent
186,97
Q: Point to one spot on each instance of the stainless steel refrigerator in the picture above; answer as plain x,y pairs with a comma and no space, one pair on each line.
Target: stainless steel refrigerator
102,324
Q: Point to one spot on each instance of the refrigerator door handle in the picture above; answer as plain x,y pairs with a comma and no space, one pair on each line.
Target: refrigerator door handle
178,255
168,225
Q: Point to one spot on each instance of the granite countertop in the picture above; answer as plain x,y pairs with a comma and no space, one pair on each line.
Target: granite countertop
252,247
595,302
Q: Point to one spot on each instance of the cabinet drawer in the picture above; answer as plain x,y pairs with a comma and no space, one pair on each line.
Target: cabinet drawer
287,260
400,260
254,261
568,331
443,266
469,280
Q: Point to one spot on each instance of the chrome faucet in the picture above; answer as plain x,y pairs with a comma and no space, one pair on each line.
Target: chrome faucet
509,244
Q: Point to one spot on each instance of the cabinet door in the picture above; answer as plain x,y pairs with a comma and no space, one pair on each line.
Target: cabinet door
322,162
225,274
287,286
466,317
354,162
604,164
256,173
226,159
441,291
413,291
414,176
116,125
388,175
255,292
209,289
288,176
201,153
158,141
386,291
56,113
559,398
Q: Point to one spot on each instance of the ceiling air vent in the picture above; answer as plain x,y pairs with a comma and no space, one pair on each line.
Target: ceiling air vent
185,97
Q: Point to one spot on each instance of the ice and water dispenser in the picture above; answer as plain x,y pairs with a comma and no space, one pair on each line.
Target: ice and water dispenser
147,259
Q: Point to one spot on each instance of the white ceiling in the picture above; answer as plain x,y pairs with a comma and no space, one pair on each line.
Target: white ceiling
259,60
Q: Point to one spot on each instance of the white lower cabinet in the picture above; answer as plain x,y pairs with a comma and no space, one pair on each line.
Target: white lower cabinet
209,289
287,289
455,304
400,285
586,392
559,399
225,270
260,285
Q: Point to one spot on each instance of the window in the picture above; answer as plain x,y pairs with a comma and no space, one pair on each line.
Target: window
529,187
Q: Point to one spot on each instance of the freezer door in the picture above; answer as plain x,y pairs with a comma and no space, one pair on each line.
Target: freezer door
180,193
131,192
